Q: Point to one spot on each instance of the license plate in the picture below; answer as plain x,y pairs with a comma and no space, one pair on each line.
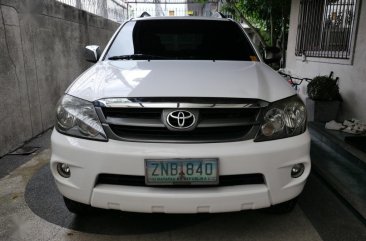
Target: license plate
181,172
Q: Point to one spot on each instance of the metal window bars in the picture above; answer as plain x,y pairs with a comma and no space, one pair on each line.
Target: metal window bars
325,28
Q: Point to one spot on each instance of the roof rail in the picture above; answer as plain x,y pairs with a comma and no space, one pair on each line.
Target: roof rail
218,15
145,14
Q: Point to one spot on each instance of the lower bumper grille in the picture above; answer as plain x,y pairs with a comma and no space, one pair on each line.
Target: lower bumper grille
227,180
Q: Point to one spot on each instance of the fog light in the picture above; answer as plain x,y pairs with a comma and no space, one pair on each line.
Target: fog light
297,170
64,170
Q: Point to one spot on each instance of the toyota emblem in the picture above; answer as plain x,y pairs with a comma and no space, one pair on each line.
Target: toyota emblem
181,119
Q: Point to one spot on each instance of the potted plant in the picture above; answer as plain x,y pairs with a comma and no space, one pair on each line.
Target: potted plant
324,99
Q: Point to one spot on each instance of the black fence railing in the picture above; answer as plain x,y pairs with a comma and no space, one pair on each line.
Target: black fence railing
325,28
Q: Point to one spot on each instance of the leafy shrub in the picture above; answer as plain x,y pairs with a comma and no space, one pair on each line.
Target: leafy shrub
324,88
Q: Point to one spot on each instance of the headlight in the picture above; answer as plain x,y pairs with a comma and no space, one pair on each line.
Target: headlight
283,118
77,117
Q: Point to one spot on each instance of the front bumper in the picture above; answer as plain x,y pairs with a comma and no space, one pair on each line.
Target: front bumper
87,159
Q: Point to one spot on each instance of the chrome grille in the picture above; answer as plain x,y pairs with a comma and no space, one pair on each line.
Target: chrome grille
223,121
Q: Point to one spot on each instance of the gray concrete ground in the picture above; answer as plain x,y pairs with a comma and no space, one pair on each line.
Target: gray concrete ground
32,209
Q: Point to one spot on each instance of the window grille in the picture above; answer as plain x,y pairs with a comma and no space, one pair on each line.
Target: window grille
325,28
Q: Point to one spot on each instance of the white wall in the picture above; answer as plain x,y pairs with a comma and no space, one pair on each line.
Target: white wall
352,75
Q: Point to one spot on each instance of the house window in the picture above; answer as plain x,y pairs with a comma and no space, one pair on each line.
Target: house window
326,28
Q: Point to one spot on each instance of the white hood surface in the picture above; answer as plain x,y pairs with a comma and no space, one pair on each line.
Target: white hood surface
180,78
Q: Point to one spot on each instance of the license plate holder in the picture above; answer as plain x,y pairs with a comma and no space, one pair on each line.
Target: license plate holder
191,171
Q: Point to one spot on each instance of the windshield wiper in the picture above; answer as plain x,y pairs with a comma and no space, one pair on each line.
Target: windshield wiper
137,56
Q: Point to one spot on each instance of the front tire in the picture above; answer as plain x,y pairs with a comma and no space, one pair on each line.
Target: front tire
77,208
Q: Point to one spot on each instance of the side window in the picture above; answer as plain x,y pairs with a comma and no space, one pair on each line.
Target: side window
326,28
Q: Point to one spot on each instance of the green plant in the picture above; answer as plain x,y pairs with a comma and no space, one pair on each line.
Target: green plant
269,16
324,88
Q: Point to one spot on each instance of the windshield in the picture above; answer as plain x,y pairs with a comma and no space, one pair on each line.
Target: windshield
181,39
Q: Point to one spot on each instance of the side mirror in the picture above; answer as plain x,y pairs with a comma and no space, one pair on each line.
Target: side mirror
272,55
92,53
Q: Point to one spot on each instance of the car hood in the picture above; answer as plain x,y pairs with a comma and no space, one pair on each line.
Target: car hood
180,78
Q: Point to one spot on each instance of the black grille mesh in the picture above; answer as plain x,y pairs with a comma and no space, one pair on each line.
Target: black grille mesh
214,125
227,180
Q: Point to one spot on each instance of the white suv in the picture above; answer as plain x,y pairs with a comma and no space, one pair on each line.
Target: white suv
180,115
